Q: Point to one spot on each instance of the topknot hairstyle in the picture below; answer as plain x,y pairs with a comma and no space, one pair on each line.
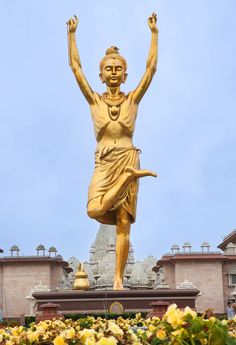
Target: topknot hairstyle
113,53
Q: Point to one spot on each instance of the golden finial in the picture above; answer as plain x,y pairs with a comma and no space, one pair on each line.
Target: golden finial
81,279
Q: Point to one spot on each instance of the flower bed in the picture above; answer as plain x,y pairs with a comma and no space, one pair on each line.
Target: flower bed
176,328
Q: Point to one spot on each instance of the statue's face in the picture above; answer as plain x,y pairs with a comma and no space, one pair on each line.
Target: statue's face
113,73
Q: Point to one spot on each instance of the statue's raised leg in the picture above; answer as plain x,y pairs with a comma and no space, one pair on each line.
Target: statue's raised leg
99,206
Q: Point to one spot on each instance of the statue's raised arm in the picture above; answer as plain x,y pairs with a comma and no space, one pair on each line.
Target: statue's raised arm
74,61
151,65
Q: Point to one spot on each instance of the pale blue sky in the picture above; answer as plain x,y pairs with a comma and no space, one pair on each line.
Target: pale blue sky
186,125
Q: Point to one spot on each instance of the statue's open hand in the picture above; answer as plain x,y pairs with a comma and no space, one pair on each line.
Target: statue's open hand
152,20
72,23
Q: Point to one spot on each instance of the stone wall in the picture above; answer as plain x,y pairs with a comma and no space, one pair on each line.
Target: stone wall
18,280
19,276
207,277
169,275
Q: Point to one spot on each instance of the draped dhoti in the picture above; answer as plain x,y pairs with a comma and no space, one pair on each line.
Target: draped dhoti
110,163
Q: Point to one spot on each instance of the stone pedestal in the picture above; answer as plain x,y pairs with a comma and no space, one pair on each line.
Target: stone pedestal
50,312
159,308
72,301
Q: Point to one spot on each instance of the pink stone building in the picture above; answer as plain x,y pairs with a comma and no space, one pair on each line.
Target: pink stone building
213,273
19,275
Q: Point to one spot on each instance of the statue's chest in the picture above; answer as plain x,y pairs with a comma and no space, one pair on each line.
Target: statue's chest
106,113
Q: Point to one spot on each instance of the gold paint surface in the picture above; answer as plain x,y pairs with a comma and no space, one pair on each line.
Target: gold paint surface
113,190
81,279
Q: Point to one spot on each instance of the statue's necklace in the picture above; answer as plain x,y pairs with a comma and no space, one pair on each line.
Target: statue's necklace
113,105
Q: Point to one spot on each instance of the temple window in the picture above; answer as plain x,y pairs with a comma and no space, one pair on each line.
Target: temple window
232,279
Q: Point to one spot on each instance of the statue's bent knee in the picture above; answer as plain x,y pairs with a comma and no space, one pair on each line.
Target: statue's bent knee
94,212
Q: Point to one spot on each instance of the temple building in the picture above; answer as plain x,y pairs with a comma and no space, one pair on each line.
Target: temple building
21,275
101,264
211,272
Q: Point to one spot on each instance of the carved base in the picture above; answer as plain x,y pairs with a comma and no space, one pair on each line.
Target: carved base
72,301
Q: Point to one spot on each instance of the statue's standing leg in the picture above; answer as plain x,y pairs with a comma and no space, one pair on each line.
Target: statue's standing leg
122,246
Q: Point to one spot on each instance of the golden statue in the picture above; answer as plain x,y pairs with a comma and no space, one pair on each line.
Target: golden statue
112,195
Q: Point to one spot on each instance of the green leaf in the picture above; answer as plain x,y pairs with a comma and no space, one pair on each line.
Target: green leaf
230,341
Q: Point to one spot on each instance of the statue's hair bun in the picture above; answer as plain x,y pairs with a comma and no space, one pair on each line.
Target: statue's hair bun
113,53
112,50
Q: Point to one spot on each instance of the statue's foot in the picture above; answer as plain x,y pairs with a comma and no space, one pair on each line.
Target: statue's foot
136,173
118,285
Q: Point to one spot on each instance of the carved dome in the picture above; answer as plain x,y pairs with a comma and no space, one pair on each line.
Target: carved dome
40,247
14,249
52,250
175,246
205,244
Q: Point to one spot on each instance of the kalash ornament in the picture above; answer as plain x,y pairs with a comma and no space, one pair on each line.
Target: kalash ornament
81,279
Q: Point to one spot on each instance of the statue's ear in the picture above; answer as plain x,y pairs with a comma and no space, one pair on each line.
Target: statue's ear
101,77
124,77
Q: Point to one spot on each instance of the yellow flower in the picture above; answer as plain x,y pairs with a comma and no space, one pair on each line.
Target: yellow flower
59,340
99,335
14,331
149,334
8,342
1,338
174,316
58,323
90,341
140,331
33,336
204,341
161,334
224,322
136,343
114,328
151,328
178,332
43,325
70,333
155,318
134,337
107,341
188,310
86,333
45,336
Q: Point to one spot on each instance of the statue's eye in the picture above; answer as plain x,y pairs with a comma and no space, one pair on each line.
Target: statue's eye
108,68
